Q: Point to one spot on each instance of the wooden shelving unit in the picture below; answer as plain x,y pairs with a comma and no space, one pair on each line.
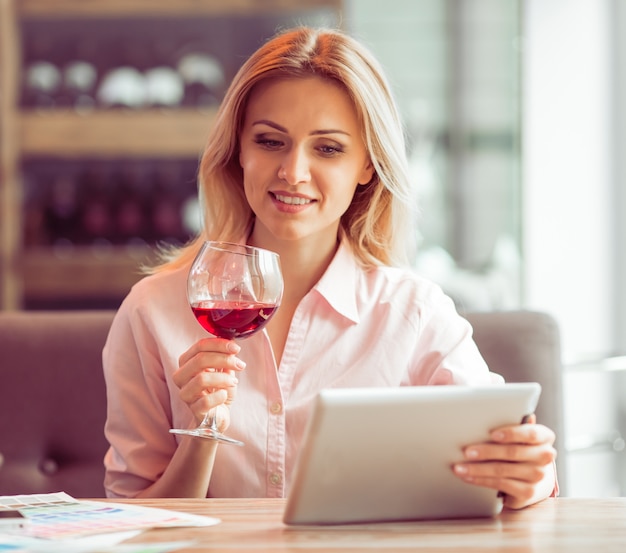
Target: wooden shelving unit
81,272
164,8
85,272
173,133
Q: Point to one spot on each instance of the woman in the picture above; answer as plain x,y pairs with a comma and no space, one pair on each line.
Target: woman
306,158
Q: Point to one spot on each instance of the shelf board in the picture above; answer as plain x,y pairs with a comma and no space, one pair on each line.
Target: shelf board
158,8
114,133
81,272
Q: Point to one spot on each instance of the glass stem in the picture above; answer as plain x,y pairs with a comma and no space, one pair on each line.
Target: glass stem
210,420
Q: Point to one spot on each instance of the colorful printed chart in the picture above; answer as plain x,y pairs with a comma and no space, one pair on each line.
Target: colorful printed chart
60,516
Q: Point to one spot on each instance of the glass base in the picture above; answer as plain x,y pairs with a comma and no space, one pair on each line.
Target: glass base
207,434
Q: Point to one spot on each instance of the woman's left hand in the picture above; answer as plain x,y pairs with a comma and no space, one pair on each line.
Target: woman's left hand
518,461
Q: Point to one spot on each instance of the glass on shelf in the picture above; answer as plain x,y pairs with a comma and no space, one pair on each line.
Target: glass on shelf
164,87
203,77
123,87
42,83
79,81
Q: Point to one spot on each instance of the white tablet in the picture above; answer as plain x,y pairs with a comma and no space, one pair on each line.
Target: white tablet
381,454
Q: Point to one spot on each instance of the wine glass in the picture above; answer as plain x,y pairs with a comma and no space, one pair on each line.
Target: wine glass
233,291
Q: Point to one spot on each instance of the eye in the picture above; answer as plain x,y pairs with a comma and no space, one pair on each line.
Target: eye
267,142
330,149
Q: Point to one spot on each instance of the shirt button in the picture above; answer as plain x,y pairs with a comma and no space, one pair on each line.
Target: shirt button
276,408
276,478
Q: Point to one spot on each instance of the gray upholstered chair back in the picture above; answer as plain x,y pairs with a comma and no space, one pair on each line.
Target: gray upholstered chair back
52,402
525,346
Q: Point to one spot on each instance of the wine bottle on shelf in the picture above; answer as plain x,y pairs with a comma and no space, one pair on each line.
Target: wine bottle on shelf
165,209
61,213
191,211
96,221
129,205
191,215
34,201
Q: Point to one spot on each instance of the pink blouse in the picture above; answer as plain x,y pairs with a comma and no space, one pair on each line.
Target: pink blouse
381,327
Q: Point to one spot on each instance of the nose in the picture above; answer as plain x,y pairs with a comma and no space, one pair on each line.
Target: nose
295,167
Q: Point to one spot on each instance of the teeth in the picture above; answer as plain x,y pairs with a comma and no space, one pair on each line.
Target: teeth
292,200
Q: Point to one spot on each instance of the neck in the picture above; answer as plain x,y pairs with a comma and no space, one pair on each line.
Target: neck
303,262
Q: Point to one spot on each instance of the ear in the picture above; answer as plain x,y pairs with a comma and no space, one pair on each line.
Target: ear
366,174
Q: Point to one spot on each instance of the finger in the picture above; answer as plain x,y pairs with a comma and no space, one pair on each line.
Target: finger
496,475
519,484
527,433
537,454
207,362
215,345
207,382
208,401
202,360
515,493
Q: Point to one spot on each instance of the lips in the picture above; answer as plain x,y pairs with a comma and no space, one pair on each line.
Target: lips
292,200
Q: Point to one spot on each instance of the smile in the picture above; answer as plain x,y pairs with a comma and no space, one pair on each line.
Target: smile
292,200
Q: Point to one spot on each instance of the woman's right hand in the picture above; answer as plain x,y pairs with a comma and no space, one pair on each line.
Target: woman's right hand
206,377
206,380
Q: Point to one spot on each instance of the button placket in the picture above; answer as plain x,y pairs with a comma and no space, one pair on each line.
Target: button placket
276,438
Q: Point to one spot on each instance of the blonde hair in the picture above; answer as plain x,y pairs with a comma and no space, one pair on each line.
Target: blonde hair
379,222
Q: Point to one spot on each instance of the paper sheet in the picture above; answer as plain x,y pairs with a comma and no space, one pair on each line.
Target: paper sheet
59,516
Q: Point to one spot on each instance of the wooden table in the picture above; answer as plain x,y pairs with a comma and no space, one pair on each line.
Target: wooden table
554,525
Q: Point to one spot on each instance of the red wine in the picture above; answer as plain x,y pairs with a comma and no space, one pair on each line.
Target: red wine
232,320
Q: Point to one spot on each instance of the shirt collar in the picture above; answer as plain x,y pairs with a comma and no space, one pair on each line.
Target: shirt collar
339,282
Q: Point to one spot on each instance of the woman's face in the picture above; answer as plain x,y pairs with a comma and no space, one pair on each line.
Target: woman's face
302,157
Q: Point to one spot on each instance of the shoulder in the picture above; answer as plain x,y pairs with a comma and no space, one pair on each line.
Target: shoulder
157,299
153,285
406,296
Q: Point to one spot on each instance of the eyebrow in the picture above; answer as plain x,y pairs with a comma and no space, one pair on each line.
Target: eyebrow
280,128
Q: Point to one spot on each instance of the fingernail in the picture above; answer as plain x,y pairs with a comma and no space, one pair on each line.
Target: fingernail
460,469
233,379
497,435
240,364
233,347
471,453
